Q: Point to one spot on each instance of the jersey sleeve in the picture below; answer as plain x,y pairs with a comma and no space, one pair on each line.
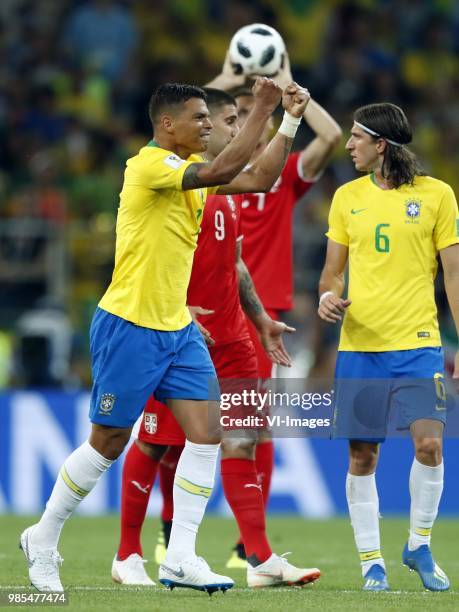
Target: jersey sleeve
161,169
336,226
294,174
446,231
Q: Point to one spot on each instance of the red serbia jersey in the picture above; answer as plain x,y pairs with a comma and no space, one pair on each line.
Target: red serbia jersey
214,282
267,228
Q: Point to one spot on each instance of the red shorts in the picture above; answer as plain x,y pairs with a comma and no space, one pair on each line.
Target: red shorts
236,360
265,365
159,425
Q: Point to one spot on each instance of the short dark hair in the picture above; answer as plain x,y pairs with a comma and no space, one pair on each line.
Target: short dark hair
171,95
216,98
389,121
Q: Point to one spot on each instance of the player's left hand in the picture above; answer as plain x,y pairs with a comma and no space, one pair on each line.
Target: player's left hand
271,339
197,311
295,99
284,75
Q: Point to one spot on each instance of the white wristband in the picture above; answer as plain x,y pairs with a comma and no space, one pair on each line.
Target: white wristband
289,125
324,295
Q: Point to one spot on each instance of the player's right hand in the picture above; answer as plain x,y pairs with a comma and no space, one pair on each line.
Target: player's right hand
266,93
197,311
271,338
332,308
227,79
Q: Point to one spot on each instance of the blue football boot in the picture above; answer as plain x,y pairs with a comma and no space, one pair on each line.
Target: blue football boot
376,579
421,561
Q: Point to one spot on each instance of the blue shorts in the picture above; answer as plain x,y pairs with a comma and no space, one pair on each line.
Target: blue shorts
378,394
130,363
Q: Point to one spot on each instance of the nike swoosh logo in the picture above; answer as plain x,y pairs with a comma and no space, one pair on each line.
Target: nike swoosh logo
440,578
138,486
439,573
355,211
276,576
255,486
179,574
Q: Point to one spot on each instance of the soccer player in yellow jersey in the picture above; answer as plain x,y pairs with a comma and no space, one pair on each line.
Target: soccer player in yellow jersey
389,226
142,338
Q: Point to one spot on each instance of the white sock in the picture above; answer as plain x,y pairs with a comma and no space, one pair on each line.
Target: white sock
363,503
194,479
77,477
426,486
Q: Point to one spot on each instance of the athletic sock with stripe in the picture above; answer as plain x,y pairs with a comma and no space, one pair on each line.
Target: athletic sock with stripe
193,484
363,503
426,486
77,477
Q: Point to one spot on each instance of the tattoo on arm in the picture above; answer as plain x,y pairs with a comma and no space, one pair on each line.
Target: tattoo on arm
238,251
191,180
287,148
278,163
249,299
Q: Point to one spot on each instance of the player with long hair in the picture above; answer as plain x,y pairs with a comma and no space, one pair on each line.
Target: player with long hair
388,227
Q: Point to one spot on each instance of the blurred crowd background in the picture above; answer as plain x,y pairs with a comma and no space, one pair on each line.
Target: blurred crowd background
75,80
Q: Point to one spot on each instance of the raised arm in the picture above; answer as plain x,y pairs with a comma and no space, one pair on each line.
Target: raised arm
236,155
262,175
331,284
450,262
227,80
316,154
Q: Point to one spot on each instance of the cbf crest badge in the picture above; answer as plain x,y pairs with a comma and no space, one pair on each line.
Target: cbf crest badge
413,210
107,401
150,421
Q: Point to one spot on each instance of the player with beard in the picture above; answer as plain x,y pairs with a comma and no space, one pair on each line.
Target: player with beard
142,337
267,225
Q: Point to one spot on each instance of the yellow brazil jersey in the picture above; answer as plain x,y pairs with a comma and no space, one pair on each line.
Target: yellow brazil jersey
156,234
393,238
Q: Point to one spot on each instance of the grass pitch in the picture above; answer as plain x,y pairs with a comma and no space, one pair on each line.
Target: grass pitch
88,546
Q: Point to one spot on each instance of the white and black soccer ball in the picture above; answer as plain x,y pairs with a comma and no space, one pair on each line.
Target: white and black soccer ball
257,49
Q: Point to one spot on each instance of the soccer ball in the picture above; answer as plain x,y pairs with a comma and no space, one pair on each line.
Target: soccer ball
257,49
